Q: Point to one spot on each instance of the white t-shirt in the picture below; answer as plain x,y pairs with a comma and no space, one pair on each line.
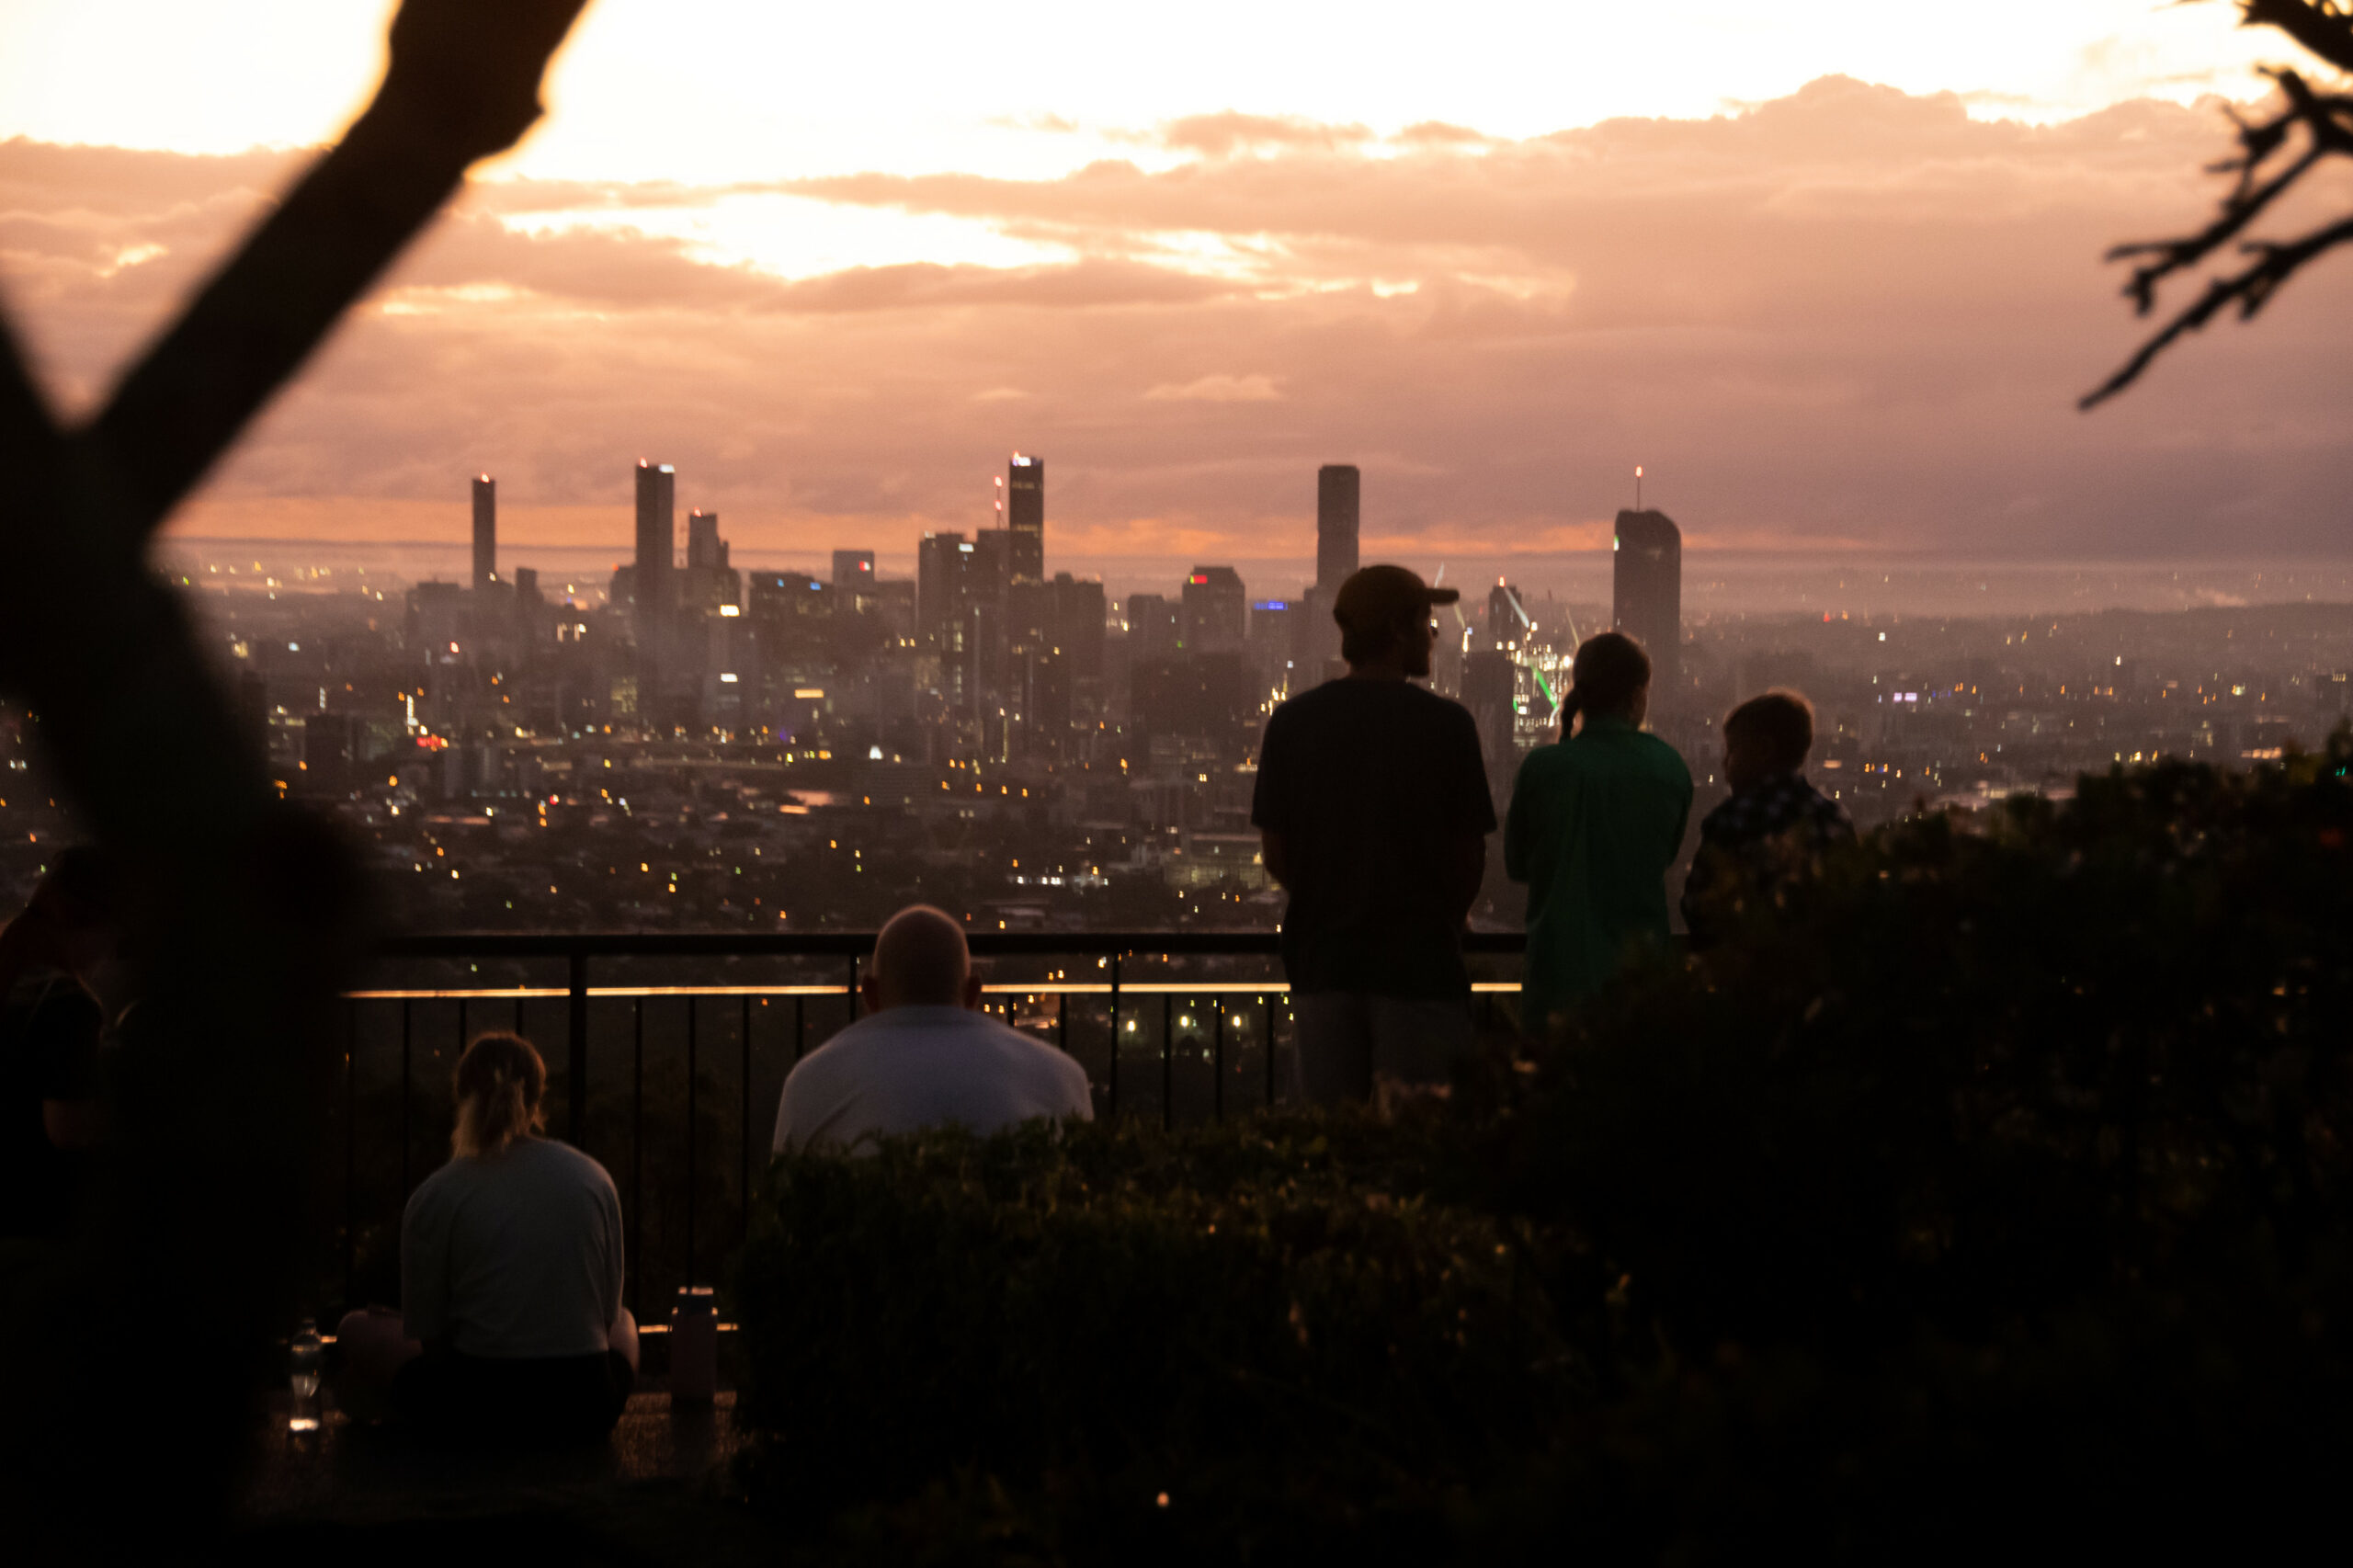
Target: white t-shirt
518,1254
907,1068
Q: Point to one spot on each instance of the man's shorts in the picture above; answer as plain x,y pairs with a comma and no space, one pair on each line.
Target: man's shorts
1347,1036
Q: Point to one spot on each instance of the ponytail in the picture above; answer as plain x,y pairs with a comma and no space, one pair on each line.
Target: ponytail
497,1086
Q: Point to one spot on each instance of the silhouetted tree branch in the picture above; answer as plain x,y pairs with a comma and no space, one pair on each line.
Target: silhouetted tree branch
2274,153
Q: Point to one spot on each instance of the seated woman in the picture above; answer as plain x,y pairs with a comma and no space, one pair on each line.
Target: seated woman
511,1330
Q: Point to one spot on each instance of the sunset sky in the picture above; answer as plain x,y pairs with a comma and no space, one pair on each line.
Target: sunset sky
1830,271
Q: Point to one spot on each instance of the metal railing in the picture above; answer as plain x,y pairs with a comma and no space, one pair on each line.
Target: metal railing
593,1002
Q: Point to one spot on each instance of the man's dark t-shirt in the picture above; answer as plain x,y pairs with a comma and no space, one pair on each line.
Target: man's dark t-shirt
1372,786
48,1051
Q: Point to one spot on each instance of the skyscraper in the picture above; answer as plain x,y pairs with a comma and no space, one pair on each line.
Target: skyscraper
707,583
943,566
704,547
1505,617
1074,609
1075,605
531,608
485,532
1025,518
658,490
653,589
1339,487
991,566
1646,591
1316,640
1272,628
1216,610
1152,626
853,575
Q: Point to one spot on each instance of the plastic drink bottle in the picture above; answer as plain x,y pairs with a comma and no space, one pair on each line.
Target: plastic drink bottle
304,1360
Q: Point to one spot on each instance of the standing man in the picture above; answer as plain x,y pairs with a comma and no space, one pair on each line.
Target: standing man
1373,812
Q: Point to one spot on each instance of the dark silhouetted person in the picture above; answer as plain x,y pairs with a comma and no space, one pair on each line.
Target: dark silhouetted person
49,1034
924,1055
1775,826
1373,809
1594,821
511,1330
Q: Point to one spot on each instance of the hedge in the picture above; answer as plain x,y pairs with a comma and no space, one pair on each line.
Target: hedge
1269,1323
1987,1191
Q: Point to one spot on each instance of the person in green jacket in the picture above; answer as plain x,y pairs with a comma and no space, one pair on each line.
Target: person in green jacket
1595,823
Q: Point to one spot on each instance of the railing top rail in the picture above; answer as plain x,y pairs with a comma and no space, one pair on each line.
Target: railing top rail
848,944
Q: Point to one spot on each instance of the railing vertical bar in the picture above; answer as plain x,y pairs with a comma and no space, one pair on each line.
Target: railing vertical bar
576,1052
350,1151
694,1128
1217,1063
745,1132
1061,1022
404,1098
1266,1008
800,1026
637,1154
464,1004
1168,1060
1111,1084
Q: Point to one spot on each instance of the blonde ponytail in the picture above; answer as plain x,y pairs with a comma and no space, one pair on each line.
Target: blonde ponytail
497,1086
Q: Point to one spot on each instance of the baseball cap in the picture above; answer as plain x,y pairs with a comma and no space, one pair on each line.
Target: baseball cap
1384,596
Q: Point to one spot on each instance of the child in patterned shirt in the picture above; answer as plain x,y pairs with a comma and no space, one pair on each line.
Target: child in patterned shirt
1775,826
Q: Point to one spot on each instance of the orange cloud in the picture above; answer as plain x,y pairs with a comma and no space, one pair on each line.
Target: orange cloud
1217,389
1223,135
1849,319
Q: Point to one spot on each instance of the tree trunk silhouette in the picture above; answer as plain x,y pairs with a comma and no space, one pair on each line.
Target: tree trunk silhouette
134,1357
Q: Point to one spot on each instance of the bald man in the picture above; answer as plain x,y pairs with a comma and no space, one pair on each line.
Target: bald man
924,1055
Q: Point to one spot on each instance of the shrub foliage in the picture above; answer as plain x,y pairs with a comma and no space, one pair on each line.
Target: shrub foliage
1118,1315
1992,1182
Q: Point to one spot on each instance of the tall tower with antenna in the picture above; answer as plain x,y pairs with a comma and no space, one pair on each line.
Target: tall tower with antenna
1646,593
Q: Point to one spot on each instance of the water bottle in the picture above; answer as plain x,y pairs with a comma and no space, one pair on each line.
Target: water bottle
694,1346
304,1360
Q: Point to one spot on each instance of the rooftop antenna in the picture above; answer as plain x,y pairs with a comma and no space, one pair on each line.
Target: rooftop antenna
1637,487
